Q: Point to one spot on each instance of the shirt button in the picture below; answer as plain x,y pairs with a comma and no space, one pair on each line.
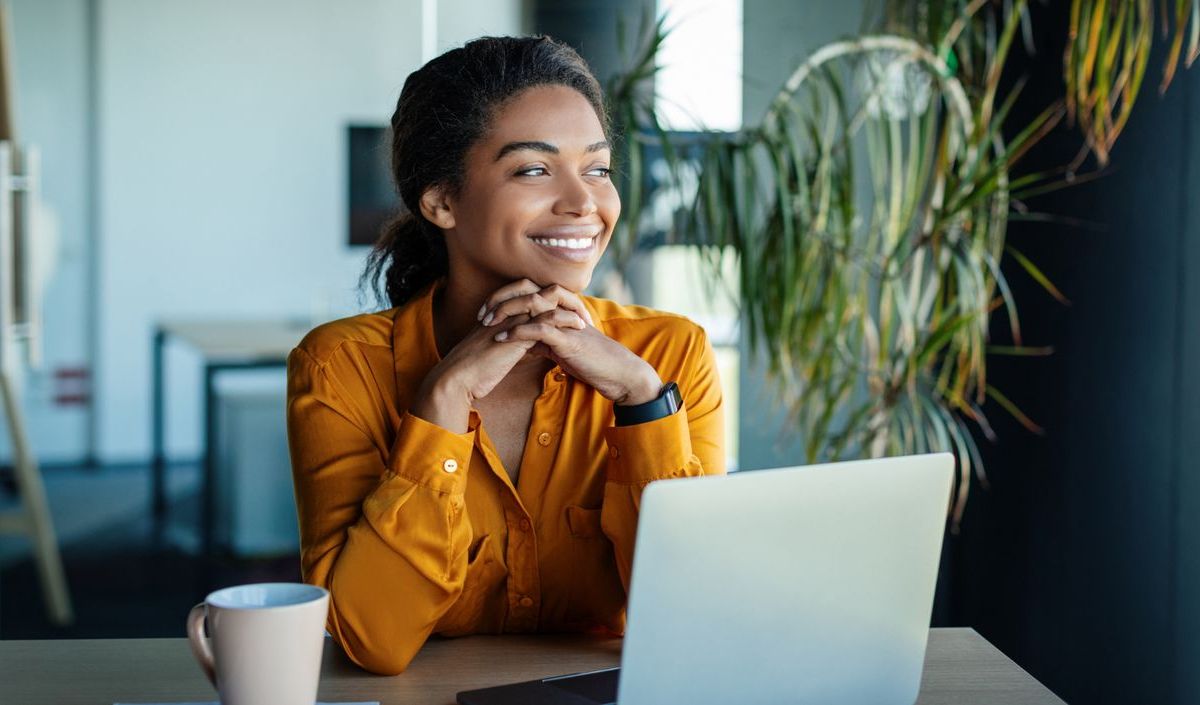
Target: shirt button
527,602
450,465
525,525
614,452
559,376
544,438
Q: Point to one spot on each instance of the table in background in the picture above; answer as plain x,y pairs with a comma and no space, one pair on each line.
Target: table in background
223,346
960,667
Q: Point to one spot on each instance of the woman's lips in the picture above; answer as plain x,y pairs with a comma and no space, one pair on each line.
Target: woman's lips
571,249
573,243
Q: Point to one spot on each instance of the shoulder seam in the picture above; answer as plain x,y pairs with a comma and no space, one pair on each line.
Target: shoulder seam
335,348
655,317
323,370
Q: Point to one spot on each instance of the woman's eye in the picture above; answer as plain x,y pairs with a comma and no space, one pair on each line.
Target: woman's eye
607,172
525,172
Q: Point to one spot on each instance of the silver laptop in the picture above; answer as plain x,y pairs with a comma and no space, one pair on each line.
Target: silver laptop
793,585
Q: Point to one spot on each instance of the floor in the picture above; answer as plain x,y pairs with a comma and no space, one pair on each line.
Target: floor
126,579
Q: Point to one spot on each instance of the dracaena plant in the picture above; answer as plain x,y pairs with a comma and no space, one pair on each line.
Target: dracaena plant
1104,63
867,213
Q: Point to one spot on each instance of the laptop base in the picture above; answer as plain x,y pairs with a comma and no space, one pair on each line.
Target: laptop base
589,688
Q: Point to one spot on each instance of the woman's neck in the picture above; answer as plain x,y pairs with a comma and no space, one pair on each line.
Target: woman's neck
454,309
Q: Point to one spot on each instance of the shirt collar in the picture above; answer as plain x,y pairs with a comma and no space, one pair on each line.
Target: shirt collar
414,348
414,345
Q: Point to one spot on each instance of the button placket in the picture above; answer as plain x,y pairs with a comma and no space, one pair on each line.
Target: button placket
523,587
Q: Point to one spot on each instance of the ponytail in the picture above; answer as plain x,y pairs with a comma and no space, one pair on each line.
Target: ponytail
410,254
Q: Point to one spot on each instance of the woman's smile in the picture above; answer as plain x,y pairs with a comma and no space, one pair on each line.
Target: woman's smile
573,243
539,201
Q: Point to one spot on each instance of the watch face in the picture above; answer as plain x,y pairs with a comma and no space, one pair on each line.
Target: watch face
672,393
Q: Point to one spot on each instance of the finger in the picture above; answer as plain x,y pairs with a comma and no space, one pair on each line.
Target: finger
567,299
562,318
558,318
548,333
539,302
531,305
506,292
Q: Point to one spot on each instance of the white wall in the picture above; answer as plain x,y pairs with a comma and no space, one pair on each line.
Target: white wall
221,131
50,95
220,180
223,177
459,21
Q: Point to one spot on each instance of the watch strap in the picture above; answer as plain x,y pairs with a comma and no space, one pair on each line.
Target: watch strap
668,401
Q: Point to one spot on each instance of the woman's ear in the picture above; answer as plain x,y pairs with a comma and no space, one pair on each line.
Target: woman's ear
436,208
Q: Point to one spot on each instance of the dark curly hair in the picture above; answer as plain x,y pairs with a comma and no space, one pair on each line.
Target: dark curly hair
444,108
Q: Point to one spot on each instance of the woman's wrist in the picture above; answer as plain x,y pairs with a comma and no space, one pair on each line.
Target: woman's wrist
645,388
443,402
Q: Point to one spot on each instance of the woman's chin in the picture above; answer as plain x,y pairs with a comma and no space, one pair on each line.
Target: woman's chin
574,282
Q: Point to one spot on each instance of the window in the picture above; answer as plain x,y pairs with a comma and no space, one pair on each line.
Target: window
699,87
699,84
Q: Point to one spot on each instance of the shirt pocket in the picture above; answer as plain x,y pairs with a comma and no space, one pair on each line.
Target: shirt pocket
485,576
584,522
595,596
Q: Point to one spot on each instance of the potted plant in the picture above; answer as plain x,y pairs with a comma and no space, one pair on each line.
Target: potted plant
868,210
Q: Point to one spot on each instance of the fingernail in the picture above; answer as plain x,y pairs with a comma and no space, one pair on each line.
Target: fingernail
482,310
488,320
501,335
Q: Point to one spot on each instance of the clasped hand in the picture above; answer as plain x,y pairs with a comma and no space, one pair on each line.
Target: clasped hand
524,318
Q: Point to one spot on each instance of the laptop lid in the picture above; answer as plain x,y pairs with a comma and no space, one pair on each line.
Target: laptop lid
809,584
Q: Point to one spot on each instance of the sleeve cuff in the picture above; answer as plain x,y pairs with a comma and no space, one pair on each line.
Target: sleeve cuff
648,451
432,456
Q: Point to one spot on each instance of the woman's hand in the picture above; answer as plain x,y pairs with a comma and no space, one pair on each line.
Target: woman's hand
524,296
583,352
475,365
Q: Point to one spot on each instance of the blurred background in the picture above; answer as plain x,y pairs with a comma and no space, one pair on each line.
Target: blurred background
197,184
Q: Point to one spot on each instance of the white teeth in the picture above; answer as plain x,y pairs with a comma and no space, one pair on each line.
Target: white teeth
569,244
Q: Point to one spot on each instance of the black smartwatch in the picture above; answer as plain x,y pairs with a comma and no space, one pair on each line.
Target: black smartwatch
668,402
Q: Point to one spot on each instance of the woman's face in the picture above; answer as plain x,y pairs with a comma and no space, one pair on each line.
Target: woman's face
537,201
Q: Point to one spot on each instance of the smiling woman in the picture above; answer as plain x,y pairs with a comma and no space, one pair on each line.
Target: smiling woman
540,208
471,460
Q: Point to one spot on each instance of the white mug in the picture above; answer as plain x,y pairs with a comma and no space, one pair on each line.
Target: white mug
265,642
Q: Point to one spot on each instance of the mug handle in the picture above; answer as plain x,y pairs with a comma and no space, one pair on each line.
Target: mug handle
200,646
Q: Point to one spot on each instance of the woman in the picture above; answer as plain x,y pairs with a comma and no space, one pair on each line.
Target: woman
471,459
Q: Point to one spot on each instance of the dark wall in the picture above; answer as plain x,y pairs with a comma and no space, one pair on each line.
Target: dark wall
590,26
1080,562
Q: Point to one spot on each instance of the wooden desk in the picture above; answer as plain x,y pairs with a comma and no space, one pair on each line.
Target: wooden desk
960,667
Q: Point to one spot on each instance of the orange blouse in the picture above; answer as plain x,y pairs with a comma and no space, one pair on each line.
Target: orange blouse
415,529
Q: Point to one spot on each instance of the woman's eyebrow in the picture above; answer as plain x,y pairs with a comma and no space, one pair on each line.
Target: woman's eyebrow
546,147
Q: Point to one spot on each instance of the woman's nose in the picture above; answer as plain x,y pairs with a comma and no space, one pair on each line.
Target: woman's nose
575,198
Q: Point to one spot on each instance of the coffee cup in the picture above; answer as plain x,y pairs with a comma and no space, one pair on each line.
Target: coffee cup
264,642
